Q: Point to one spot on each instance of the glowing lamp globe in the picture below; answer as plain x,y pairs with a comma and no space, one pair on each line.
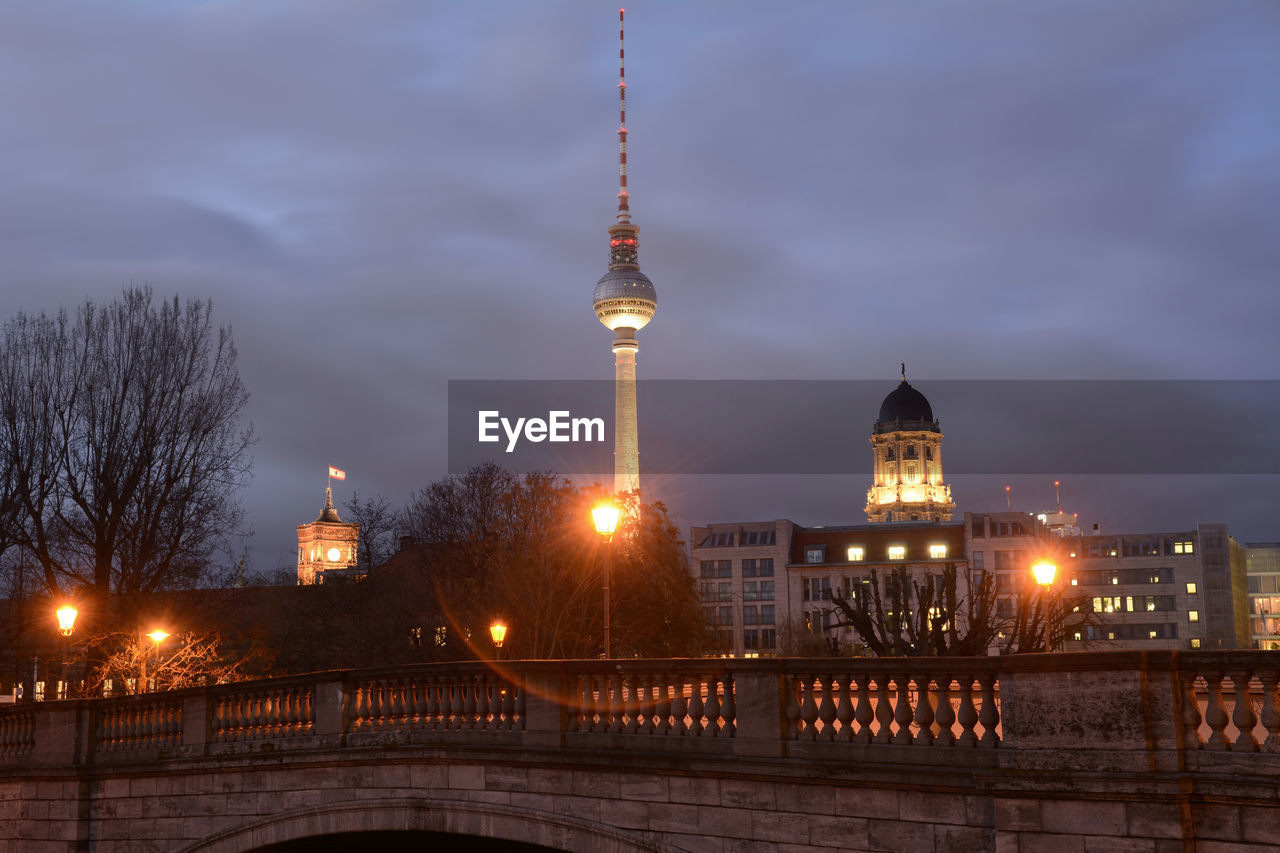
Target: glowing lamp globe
334,555
1044,572
66,619
605,517
158,636
498,632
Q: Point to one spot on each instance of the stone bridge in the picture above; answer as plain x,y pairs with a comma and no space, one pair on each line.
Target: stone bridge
1110,751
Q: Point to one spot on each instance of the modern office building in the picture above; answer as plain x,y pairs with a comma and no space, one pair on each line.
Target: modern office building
1262,565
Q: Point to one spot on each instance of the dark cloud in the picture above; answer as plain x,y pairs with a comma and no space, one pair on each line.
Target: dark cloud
381,197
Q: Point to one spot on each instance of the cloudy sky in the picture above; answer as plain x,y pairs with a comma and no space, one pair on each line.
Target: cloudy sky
380,197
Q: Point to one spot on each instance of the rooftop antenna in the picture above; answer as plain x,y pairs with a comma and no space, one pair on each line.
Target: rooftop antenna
904,371
1057,496
624,205
1008,499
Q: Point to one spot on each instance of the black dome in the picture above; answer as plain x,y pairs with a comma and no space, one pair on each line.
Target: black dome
905,404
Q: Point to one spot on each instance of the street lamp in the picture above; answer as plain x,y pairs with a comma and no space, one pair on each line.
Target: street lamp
1045,572
498,633
605,516
66,623
157,636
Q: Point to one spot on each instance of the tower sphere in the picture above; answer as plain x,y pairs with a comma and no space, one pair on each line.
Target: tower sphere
625,299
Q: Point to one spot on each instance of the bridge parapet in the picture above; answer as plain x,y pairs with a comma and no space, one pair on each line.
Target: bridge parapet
1171,710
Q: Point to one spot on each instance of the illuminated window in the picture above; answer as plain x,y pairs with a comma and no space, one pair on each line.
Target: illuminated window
1193,615
1183,547
1111,635
897,552
1191,589
937,552
856,552
1151,635
1075,582
442,635
912,475
1195,642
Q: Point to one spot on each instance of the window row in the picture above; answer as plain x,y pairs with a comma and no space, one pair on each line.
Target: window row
858,553
1114,577
760,639
765,614
724,539
759,568
1135,604
1158,631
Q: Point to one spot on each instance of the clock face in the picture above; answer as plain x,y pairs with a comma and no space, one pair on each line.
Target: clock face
334,555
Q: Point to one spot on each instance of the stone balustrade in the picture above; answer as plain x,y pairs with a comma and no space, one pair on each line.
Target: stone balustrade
1077,710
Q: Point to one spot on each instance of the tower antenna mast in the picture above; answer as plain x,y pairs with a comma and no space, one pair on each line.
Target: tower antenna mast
624,198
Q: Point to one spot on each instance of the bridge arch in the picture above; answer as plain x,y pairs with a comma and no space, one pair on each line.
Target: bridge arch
454,817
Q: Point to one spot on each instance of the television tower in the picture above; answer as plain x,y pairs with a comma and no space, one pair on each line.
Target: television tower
624,301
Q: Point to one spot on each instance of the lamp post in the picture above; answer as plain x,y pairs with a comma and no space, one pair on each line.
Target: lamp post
157,636
1045,572
66,624
605,517
498,633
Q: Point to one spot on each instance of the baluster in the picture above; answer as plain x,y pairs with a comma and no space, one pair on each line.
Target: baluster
968,712
1271,709
1243,715
902,714
662,706
844,709
712,707
470,687
989,716
729,707
827,709
519,707
631,707
1216,713
809,708
484,702
884,711
420,689
647,703
924,712
863,712
695,706
588,722
509,706
794,690
306,708
616,703
679,709
433,703
457,707
944,716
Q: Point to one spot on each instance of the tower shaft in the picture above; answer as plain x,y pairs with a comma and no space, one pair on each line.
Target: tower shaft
626,440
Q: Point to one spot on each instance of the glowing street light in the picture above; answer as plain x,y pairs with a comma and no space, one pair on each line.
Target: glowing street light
157,636
1045,572
605,516
498,633
66,619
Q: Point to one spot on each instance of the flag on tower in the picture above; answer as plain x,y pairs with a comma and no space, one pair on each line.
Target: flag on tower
337,474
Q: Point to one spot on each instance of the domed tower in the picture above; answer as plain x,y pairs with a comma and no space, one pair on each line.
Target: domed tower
907,449
326,544
625,302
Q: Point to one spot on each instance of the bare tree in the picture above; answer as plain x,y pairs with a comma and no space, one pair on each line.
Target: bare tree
377,522
934,614
121,432
138,664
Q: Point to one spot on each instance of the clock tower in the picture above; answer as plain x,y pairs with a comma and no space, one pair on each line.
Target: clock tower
326,545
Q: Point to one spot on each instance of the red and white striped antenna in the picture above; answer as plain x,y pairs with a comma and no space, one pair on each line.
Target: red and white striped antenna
624,198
